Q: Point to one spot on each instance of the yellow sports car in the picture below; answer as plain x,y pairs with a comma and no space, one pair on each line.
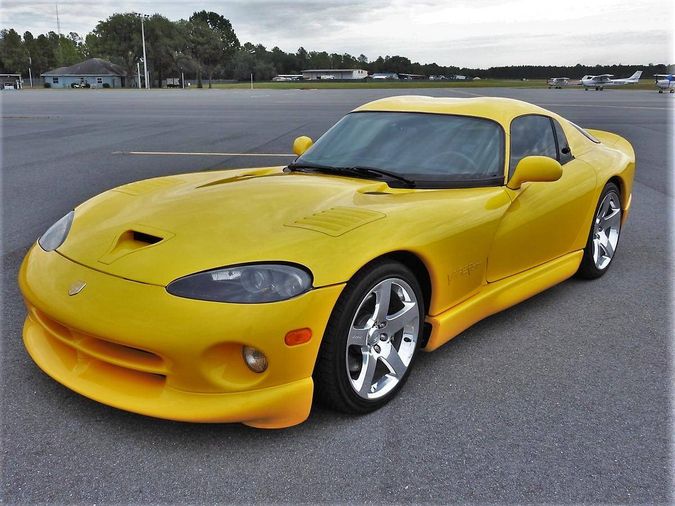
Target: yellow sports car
238,296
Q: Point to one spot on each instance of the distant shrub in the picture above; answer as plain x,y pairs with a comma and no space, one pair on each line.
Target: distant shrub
48,85
106,85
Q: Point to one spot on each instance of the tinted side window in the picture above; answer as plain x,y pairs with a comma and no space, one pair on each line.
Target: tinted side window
531,135
564,152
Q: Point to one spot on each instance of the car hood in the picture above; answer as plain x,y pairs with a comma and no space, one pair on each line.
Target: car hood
157,230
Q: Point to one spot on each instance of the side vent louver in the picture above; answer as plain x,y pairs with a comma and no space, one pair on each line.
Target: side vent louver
337,220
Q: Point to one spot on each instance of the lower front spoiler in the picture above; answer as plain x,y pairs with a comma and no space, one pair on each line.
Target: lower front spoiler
274,407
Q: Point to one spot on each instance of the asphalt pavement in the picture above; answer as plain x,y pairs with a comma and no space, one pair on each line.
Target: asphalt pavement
564,398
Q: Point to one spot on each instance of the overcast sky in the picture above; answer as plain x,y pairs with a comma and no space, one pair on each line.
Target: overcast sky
472,33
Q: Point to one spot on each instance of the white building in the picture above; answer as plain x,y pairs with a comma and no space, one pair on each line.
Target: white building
92,73
334,74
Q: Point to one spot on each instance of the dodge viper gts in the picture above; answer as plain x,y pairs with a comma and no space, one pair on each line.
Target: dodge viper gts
242,295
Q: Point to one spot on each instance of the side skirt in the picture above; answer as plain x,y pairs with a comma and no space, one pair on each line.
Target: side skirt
497,296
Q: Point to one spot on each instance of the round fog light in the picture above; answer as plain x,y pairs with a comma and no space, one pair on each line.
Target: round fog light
255,359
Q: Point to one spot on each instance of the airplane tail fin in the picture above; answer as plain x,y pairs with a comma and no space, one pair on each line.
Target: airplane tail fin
635,77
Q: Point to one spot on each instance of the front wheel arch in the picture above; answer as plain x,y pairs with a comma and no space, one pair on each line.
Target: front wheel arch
421,272
417,266
332,387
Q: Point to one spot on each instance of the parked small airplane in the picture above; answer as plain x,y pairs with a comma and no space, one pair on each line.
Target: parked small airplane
665,82
558,82
288,77
599,82
411,77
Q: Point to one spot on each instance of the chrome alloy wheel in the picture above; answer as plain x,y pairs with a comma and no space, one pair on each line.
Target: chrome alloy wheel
382,338
606,229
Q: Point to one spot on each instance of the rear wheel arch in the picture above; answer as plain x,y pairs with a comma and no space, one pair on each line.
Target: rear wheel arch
621,184
604,233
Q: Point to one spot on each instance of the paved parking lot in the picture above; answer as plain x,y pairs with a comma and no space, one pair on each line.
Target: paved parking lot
564,398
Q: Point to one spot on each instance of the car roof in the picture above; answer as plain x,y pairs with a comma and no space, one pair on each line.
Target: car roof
501,110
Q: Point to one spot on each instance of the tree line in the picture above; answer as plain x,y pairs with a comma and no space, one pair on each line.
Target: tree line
205,47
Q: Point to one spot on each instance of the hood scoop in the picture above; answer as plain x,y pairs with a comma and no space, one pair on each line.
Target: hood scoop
337,221
131,241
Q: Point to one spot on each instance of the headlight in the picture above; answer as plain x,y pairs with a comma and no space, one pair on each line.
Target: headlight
57,233
244,284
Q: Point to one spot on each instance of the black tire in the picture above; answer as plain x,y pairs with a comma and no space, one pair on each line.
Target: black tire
588,268
333,387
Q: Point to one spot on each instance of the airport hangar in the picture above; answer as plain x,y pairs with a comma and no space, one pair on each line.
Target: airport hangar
337,74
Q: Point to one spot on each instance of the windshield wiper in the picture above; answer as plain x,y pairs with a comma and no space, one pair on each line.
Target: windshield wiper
357,171
374,171
299,166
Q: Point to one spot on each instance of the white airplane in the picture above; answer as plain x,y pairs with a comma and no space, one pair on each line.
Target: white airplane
558,82
287,77
599,82
665,82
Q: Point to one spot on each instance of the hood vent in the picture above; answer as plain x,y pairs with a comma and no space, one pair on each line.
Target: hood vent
143,238
337,220
130,241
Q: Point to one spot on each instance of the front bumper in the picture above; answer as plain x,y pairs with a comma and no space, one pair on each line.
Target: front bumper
136,347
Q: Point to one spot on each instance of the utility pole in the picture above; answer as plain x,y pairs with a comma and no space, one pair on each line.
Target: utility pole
30,71
145,58
138,73
252,51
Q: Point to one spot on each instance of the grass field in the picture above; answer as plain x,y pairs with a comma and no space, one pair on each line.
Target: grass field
342,85
646,84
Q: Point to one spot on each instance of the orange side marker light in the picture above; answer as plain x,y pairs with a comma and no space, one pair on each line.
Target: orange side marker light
298,336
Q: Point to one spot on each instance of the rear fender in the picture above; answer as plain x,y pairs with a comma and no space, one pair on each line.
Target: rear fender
624,166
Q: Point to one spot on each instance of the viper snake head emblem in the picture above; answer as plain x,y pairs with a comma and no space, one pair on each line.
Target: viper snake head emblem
76,288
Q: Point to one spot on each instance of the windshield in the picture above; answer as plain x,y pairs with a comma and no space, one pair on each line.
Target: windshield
437,149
